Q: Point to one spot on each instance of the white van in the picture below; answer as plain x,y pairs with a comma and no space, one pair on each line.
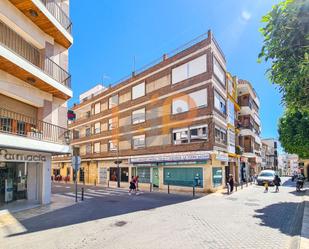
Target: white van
266,176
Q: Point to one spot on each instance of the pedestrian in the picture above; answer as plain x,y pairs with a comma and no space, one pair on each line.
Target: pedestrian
132,185
136,185
277,182
231,183
266,186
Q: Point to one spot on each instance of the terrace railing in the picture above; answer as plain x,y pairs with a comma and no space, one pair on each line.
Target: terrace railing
14,42
22,125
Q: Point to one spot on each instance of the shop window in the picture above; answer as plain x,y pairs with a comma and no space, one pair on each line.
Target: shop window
183,176
113,101
220,103
124,174
138,141
189,69
138,90
143,174
219,71
138,116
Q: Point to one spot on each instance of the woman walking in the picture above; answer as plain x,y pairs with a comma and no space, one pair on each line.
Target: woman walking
277,182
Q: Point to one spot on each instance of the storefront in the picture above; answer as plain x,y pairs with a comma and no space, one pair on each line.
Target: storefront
21,176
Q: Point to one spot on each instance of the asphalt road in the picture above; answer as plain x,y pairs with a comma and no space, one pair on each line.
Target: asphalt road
110,218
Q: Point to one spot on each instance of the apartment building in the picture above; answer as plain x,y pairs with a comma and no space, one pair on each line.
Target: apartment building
249,125
172,124
269,154
35,36
288,164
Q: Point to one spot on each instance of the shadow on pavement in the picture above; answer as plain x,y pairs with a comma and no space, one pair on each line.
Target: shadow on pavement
284,216
98,208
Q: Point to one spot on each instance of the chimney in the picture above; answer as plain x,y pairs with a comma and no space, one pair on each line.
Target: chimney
164,57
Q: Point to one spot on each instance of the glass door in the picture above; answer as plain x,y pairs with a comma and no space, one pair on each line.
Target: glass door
155,177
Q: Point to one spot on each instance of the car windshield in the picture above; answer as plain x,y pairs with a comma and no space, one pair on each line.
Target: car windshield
266,174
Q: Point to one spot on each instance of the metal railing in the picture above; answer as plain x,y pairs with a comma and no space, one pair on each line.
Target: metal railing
14,42
58,13
22,125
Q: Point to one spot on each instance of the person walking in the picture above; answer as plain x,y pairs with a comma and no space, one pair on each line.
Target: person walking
277,182
231,183
132,185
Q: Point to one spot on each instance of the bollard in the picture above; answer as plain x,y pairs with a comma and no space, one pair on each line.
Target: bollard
247,183
228,188
82,194
150,187
95,182
193,191
108,183
236,184
241,183
168,188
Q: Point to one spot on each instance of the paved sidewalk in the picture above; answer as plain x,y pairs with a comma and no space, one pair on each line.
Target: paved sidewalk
304,241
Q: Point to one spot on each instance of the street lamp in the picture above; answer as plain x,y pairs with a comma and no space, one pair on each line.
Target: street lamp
118,162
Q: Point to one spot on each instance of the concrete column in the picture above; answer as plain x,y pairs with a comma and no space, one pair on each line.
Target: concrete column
32,181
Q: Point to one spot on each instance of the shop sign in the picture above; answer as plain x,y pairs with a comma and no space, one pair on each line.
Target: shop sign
18,156
222,157
171,158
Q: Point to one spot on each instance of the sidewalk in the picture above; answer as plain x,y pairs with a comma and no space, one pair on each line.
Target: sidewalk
304,239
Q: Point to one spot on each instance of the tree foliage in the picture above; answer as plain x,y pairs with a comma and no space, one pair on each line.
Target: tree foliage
286,45
294,132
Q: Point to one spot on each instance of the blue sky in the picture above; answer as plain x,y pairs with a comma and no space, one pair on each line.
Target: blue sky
108,34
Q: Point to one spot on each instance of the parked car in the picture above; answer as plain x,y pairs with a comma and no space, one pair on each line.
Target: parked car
266,176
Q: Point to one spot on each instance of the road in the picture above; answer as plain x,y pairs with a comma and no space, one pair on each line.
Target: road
110,218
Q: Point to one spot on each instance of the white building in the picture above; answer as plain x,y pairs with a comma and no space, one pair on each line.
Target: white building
35,36
288,163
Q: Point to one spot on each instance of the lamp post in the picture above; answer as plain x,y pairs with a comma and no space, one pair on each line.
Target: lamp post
118,162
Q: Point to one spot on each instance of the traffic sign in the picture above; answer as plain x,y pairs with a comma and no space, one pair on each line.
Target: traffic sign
76,160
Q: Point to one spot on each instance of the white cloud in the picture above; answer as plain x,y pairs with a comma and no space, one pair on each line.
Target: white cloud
245,15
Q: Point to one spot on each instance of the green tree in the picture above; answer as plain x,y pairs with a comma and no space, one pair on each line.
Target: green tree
294,132
286,45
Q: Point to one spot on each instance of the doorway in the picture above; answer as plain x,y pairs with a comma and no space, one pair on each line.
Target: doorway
155,177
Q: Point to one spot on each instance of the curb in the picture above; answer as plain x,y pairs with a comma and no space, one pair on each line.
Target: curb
304,236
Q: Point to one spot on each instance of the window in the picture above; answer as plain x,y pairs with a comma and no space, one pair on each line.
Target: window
112,123
88,132
189,69
97,108
231,112
88,149
97,148
87,114
219,71
124,174
138,141
220,104
193,100
220,135
97,128
230,86
198,133
6,124
112,145
113,101
181,136
138,116
21,128
191,134
138,90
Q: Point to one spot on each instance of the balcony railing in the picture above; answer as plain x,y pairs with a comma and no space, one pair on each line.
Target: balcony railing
58,13
14,42
21,125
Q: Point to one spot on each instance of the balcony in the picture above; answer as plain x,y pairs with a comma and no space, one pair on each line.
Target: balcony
18,130
49,17
21,59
